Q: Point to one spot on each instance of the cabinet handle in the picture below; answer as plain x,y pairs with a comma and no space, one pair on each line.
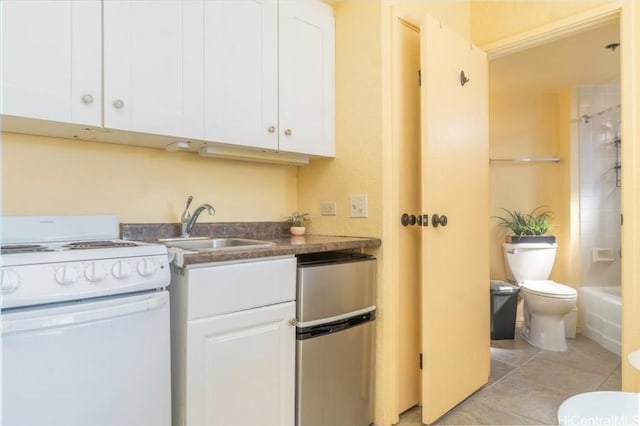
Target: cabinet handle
118,103
272,129
292,321
287,132
87,99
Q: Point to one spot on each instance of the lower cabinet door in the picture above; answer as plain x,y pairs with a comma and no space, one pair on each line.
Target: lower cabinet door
241,368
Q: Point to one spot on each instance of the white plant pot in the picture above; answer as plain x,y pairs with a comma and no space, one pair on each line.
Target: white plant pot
297,230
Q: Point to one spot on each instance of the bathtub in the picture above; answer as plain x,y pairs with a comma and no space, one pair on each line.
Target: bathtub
600,312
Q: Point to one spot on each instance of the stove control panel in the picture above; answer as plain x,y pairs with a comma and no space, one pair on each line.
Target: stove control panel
26,285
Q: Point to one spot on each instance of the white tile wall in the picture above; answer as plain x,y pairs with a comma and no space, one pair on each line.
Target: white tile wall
599,196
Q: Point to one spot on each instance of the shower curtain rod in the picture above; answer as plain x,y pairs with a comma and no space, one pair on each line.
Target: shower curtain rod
525,160
586,117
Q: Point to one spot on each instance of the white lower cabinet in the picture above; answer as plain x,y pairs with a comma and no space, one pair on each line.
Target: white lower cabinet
240,369
233,343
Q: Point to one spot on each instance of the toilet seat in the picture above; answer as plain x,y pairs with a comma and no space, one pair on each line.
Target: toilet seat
602,407
548,288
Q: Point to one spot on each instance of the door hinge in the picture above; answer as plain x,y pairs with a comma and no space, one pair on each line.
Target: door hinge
419,77
420,361
621,219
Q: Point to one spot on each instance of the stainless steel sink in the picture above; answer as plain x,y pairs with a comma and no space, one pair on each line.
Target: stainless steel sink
214,243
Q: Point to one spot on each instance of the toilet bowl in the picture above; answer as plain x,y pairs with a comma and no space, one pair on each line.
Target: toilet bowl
546,303
600,408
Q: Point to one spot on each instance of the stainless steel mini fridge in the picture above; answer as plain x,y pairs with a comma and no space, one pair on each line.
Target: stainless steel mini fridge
335,339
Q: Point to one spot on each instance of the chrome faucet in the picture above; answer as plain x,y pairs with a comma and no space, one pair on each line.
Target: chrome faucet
188,220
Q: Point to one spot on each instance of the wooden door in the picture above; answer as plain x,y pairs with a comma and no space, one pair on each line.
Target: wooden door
409,190
153,66
455,280
51,60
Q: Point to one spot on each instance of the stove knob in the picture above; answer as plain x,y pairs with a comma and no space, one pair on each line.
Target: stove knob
65,275
121,270
9,281
146,268
94,273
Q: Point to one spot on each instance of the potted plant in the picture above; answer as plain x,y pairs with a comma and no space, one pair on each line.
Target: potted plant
527,227
298,221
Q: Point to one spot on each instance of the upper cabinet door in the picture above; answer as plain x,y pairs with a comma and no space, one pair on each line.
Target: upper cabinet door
51,60
153,67
306,78
241,72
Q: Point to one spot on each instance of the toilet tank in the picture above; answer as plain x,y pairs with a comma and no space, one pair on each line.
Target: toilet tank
528,261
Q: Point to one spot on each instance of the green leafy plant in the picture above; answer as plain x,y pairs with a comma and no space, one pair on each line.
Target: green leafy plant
298,219
536,222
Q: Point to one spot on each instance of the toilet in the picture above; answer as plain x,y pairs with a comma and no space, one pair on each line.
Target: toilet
600,408
546,302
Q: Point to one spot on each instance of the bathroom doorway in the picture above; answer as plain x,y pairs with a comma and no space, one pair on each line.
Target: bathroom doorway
561,99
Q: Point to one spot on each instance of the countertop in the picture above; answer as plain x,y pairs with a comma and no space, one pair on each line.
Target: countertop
285,245
276,232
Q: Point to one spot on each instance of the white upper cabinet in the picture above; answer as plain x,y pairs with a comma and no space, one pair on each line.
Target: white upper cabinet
241,72
269,75
153,67
52,60
306,78
239,75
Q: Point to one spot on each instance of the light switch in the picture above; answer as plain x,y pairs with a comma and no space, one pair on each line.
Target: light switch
358,206
328,208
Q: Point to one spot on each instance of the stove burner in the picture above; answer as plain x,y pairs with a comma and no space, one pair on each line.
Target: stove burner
99,244
23,248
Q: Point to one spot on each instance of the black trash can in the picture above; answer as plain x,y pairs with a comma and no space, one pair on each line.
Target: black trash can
504,302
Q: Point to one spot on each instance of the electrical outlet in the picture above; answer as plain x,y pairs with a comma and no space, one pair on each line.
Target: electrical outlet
358,206
328,208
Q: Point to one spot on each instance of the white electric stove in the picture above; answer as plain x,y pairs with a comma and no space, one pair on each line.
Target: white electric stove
62,258
85,324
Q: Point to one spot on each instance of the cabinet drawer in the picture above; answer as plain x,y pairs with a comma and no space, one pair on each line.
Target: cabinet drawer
233,287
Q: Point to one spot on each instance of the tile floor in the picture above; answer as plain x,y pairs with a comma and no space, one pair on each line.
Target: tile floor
527,385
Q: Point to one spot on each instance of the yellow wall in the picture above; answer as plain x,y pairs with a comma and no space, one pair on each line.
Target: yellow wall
528,124
362,102
50,176
495,20
356,168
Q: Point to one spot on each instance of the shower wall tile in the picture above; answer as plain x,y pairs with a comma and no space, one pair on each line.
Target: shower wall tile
599,196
